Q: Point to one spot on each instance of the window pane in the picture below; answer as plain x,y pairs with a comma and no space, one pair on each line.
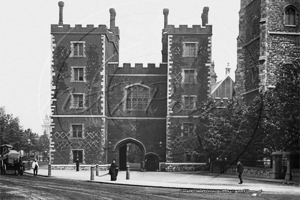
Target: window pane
75,49
80,74
75,74
134,103
80,49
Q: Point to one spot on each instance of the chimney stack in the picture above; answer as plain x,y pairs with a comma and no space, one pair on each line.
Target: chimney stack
204,16
112,17
166,12
61,5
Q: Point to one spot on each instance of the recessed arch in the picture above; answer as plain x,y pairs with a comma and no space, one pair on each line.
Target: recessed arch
130,140
152,154
152,161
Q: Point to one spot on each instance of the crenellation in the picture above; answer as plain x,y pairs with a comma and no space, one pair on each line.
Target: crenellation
78,28
90,26
184,29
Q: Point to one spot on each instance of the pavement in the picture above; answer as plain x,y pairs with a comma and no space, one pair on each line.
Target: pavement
180,180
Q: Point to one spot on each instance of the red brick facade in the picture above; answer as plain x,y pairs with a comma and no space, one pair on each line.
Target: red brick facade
98,105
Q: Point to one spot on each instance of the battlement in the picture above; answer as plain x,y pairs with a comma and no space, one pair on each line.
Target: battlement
90,28
142,68
184,29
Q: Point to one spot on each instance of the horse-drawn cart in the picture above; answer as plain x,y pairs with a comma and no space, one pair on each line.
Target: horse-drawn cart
11,160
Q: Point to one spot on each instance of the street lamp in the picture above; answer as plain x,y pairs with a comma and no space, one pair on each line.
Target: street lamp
29,142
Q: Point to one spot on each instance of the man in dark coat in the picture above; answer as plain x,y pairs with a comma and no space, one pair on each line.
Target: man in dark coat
113,170
240,170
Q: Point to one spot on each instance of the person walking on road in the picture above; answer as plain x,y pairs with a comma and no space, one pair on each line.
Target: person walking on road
240,170
113,170
35,166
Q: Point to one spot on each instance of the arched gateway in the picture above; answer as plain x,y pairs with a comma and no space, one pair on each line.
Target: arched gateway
120,150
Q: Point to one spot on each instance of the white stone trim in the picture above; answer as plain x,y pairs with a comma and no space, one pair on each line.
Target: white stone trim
183,101
73,75
103,75
72,100
283,33
183,76
183,49
71,131
72,49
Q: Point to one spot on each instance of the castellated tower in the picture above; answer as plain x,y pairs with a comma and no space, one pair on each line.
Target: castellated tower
268,37
136,113
187,52
78,92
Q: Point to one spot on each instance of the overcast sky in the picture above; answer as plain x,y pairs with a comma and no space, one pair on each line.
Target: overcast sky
25,41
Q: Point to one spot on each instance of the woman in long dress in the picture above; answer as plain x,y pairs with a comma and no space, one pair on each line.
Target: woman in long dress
113,170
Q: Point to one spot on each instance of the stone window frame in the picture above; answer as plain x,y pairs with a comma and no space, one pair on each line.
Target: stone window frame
73,78
72,154
82,130
183,76
127,98
186,53
190,132
73,106
72,49
185,103
295,16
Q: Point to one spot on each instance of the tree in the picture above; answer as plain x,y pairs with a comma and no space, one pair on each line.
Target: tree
43,143
10,130
282,110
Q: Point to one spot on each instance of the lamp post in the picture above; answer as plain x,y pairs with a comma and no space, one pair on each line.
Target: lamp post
28,142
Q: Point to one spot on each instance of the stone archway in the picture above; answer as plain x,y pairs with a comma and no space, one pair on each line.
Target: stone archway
152,161
120,150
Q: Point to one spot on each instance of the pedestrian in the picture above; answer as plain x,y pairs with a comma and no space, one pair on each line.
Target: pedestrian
35,166
77,164
113,170
240,170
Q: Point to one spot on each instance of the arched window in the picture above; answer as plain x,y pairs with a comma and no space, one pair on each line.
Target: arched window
137,97
290,16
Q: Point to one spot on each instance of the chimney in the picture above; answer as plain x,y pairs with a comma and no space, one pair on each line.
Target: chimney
204,16
112,17
61,5
166,13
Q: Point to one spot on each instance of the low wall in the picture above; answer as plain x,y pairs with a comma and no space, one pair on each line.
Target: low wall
251,171
81,167
296,175
181,167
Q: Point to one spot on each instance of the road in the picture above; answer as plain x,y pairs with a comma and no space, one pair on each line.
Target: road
14,187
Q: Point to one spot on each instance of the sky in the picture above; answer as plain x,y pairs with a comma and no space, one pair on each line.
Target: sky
25,42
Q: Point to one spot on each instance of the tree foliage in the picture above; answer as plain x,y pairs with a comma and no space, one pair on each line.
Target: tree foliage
253,131
12,133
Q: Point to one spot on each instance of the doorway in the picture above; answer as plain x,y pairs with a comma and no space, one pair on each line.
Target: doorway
130,151
152,162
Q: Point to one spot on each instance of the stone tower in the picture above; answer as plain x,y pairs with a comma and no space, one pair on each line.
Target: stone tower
268,34
79,55
187,52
